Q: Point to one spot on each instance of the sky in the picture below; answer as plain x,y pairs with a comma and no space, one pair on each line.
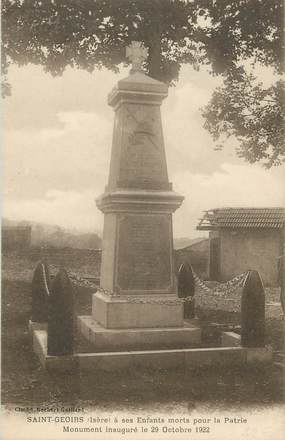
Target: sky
57,134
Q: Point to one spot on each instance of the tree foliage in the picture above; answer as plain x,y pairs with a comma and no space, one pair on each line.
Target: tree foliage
243,29
90,34
94,33
243,107
253,114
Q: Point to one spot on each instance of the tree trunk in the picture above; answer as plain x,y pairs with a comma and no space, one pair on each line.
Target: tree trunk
155,56
154,64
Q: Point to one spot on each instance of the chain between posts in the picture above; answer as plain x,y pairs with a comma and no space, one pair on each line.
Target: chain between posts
83,282
224,288
87,283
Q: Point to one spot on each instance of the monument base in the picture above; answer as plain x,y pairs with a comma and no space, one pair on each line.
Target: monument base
157,311
187,358
189,335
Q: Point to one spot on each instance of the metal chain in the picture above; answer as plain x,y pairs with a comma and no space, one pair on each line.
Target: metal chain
77,280
169,302
134,300
80,281
222,289
83,282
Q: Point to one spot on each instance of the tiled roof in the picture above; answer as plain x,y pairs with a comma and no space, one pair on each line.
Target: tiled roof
273,218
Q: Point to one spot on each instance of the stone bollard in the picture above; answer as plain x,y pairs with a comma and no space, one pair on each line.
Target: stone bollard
253,311
61,316
186,288
40,293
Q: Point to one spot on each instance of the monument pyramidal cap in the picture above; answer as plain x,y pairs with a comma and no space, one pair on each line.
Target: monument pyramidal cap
138,283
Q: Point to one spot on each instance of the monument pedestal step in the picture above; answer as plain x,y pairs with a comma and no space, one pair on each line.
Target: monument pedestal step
189,335
188,358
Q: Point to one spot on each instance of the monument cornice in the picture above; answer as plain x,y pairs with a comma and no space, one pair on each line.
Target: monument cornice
138,87
139,200
118,97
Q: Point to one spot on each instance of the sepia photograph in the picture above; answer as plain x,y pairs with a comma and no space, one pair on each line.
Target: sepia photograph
142,220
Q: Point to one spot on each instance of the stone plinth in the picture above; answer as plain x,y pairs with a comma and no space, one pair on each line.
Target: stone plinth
189,358
120,312
188,335
138,202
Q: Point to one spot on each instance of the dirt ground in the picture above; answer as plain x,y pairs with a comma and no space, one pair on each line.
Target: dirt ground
25,382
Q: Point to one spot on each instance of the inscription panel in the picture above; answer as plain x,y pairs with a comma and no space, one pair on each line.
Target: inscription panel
143,159
144,253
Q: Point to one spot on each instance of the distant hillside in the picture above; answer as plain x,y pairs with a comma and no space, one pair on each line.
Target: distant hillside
55,236
182,242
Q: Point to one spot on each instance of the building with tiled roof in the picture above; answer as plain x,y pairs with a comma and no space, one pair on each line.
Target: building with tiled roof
243,218
244,238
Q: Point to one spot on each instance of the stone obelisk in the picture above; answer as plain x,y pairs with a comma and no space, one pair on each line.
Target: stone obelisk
137,257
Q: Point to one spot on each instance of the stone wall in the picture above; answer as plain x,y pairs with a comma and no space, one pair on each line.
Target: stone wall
86,261
239,252
16,237
250,249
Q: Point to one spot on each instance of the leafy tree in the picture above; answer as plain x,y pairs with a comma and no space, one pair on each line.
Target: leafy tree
243,107
253,114
90,34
